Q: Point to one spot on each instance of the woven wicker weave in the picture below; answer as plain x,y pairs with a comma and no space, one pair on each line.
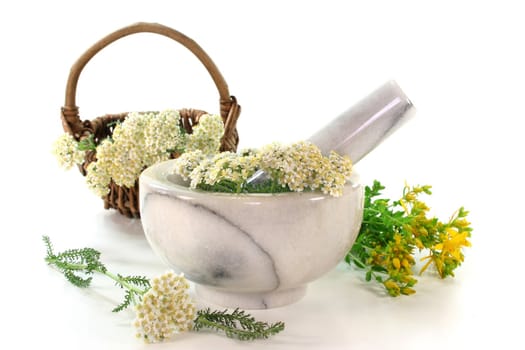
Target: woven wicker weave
124,199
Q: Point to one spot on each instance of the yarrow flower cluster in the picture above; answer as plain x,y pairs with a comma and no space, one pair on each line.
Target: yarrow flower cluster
141,140
65,149
188,161
296,167
225,167
166,309
302,166
207,136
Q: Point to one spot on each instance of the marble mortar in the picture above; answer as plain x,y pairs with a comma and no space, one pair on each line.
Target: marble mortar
252,251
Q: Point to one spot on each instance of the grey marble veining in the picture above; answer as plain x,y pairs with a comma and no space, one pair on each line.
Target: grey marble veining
249,251
202,256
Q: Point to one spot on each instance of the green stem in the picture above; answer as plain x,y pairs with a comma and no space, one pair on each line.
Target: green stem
383,216
54,261
83,267
123,283
356,259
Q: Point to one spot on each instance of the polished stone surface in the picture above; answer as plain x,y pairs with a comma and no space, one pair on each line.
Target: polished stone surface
361,128
250,251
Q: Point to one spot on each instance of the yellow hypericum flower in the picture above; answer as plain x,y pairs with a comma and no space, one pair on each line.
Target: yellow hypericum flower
448,252
394,230
453,243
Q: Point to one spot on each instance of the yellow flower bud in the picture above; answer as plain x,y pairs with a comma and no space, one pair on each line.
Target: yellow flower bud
410,196
391,285
405,263
392,288
397,238
451,231
396,263
407,291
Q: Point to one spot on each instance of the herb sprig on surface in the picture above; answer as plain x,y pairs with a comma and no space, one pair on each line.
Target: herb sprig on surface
392,231
78,266
236,324
163,306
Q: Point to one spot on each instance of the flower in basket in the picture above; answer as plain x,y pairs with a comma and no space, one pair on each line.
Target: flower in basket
141,140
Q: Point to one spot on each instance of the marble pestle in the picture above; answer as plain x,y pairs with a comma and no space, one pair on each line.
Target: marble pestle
361,128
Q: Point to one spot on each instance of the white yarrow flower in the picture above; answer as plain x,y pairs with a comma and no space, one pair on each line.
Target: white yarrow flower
300,166
65,149
141,140
166,309
206,135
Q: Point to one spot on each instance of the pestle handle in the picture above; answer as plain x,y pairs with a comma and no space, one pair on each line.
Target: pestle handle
361,128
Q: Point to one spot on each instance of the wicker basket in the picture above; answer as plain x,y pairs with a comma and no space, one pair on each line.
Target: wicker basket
124,199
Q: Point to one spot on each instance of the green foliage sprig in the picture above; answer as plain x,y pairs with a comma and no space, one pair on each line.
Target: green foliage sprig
392,231
236,324
163,306
78,264
227,186
87,144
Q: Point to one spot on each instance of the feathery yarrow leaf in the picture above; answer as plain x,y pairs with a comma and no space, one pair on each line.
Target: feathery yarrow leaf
236,324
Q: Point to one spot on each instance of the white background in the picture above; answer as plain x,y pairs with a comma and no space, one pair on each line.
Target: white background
293,66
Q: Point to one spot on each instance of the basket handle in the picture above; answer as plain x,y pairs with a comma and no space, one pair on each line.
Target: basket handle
71,122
